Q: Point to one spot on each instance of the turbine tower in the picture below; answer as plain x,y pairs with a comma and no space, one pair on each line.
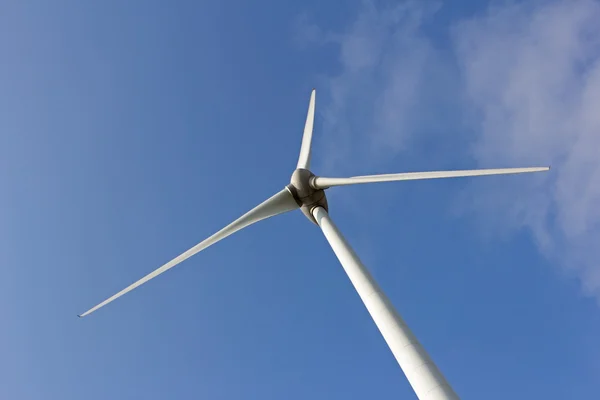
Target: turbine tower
307,192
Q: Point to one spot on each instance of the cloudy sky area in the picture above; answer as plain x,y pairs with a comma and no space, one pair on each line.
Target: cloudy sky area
521,80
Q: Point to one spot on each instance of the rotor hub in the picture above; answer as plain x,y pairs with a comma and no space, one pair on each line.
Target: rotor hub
305,194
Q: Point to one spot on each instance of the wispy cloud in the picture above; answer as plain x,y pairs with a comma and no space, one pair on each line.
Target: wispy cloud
532,72
525,77
389,79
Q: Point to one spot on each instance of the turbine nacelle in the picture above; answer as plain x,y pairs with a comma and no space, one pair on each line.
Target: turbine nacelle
306,195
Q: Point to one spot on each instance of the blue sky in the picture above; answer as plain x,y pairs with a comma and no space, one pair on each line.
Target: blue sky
129,132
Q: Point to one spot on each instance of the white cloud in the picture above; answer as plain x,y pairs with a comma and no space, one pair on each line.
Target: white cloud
527,79
388,71
532,72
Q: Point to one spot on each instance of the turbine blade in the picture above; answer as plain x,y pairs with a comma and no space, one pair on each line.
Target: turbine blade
304,159
324,183
277,204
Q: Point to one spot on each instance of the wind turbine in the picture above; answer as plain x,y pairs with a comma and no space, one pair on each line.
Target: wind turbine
306,191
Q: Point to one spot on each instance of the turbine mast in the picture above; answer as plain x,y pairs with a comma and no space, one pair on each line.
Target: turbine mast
423,375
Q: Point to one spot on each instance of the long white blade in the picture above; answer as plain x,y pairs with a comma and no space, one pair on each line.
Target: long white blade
277,204
323,183
304,159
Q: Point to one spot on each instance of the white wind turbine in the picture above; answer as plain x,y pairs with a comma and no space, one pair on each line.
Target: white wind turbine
307,192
